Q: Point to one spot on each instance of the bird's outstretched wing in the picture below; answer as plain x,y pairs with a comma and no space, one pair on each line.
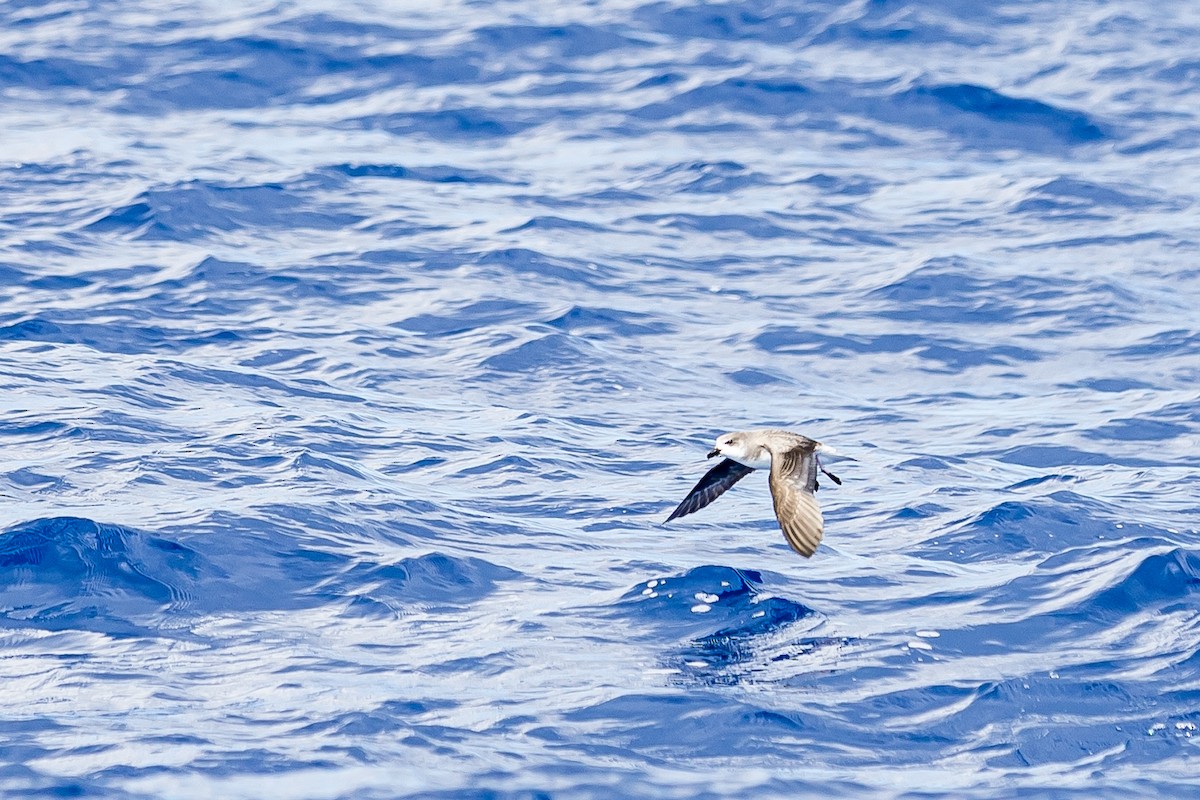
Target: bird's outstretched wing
714,484
793,481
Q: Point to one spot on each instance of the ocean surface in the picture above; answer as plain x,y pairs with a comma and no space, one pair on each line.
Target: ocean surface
353,354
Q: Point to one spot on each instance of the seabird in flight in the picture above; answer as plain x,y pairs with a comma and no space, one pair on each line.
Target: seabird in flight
792,459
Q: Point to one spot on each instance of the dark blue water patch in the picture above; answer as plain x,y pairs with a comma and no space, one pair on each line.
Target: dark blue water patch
434,581
407,521
33,481
60,283
538,266
37,430
1112,385
556,352
835,235
1041,480
277,357
984,118
415,466
1177,342
850,185
563,88
759,20
1184,72
392,717
488,665
705,177
51,172
469,316
949,355
689,726
955,291
493,792
1102,600
708,723
975,116
743,224
283,558
119,426
609,323
310,467
608,196
341,29
1183,412
509,463
196,209
11,276
1050,456
397,262
948,713
21,781
1059,245
1088,718
58,73
1141,430
468,123
661,79
950,290
1173,140
930,462
919,511
1161,581
68,573
17,742
400,228
759,97
712,609
265,70
1021,528
1070,198
124,337
731,659
753,378
277,390
336,174
958,357
797,341
76,574
554,41
246,760
883,23
549,222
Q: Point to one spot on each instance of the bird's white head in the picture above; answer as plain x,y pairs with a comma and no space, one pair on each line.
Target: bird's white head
740,448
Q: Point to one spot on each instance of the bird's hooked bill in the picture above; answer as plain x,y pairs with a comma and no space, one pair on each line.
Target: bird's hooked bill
715,452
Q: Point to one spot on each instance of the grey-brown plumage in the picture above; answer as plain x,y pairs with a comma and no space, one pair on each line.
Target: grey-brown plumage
792,460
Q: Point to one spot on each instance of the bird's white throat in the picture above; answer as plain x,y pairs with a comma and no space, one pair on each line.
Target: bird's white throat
760,459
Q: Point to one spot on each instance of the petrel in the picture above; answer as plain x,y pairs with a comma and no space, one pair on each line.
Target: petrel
792,459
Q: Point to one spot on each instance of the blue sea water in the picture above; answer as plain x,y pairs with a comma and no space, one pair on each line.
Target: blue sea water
354,353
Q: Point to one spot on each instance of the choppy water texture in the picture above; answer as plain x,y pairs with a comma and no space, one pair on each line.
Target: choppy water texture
354,353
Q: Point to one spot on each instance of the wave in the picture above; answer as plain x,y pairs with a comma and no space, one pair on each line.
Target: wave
69,573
